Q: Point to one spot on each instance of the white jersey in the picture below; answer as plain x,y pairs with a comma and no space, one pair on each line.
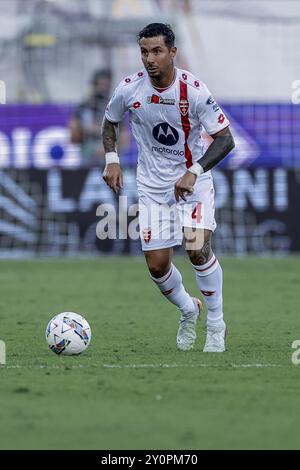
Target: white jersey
166,125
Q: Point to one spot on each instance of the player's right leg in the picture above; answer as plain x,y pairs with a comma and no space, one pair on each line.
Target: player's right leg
169,281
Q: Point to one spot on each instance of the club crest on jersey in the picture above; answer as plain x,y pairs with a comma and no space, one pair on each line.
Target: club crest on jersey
147,235
184,107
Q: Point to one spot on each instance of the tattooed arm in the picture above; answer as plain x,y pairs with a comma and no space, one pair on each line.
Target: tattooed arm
109,135
222,144
112,174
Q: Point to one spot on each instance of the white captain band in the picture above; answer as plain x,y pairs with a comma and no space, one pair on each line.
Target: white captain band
196,169
111,157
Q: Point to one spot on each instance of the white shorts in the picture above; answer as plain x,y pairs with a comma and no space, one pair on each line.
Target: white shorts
162,218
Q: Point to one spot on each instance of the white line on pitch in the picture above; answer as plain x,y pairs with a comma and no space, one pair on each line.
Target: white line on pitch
42,366
174,366
139,366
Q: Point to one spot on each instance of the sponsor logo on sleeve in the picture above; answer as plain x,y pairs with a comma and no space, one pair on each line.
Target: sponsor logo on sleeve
212,102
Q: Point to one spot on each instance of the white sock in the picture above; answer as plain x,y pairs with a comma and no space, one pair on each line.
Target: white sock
172,288
209,278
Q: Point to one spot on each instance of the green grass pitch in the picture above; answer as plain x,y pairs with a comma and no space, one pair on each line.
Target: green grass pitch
155,397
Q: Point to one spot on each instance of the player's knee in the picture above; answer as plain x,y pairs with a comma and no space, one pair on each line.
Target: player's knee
158,266
201,256
158,270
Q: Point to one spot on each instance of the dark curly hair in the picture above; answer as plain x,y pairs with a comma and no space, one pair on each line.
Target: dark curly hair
158,29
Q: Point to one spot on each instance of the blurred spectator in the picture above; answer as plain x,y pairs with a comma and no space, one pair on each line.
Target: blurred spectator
86,120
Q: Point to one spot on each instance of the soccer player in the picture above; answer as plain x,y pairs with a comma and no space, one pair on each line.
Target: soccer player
168,107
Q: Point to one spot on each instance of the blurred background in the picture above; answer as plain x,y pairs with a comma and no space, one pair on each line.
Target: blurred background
61,59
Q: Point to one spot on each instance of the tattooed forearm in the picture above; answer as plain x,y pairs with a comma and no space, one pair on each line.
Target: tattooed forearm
223,143
109,135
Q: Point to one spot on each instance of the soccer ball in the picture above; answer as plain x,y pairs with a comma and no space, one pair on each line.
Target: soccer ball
68,333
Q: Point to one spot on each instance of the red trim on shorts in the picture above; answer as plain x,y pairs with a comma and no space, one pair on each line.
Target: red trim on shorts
186,126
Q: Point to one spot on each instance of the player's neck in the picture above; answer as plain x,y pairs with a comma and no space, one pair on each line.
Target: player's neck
166,81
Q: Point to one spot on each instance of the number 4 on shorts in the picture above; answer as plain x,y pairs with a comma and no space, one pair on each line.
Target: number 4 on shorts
197,212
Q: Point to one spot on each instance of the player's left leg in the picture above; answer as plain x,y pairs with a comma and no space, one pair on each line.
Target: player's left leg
198,220
209,277
160,231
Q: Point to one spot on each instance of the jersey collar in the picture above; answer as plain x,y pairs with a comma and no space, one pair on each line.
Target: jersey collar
161,90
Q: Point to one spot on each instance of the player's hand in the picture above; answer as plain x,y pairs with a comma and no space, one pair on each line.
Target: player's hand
112,176
185,185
